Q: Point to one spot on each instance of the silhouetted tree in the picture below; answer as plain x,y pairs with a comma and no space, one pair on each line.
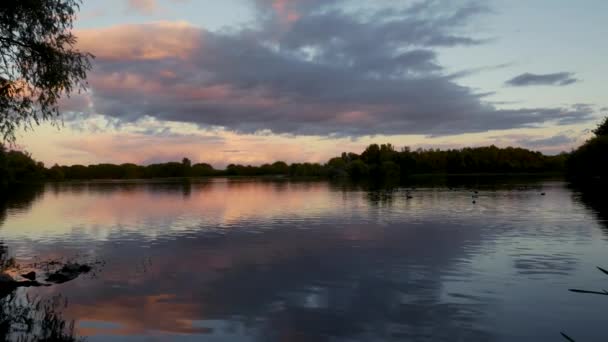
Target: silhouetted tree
19,167
602,128
38,63
55,173
589,163
202,170
3,168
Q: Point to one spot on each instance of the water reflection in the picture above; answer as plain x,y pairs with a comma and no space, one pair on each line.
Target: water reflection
243,260
595,199
25,318
18,199
286,285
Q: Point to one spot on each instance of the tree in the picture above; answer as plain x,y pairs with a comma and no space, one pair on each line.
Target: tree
19,167
589,163
3,167
602,129
38,62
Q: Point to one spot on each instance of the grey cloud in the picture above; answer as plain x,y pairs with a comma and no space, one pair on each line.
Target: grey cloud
564,140
584,106
475,71
330,72
556,79
555,140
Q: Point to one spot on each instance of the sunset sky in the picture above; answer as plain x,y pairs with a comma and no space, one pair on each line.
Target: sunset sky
253,81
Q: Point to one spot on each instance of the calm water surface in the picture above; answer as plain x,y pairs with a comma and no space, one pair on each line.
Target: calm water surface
254,260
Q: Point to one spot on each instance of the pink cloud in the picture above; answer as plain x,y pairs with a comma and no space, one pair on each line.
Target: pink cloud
141,42
285,10
118,83
141,143
354,117
301,83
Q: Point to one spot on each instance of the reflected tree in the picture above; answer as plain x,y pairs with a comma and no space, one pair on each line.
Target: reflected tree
32,319
594,198
23,318
18,199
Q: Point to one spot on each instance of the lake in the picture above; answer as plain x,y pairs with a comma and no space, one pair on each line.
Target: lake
277,260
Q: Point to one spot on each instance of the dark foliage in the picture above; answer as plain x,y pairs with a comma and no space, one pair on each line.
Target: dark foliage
602,128
384,162
39,63
130,171
376,162
19,167
589,163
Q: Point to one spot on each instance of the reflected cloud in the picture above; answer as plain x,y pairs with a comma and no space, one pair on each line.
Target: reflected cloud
321,283
256,260
219,202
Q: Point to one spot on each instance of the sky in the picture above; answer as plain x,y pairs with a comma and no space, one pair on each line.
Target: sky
255,81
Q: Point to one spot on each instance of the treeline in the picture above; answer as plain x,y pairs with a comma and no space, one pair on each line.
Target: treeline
589,163
377,161
384,161
131,171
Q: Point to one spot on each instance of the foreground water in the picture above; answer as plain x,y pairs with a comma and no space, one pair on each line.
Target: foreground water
256,260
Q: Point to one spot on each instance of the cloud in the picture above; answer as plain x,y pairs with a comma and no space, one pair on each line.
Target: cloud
478,70
145,7
305,68
552,144
556,79
134,43
556,140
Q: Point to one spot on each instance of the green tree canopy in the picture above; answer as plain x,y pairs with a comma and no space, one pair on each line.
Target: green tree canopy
38,61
